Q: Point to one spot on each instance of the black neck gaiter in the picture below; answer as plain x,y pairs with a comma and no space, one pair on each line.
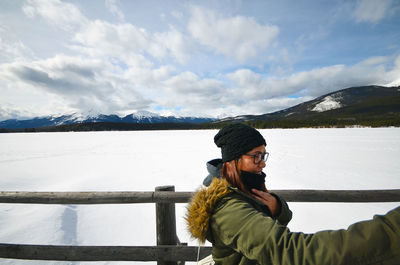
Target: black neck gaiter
252,180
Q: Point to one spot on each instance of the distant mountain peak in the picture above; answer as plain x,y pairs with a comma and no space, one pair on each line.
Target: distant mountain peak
139,117
145,114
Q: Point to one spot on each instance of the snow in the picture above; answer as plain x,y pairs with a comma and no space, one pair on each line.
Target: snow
143,114
356,158
328,103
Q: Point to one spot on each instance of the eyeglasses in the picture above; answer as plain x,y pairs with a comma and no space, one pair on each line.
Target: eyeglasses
258,157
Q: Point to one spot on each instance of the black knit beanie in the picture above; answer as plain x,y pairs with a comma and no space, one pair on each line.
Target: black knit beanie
237,139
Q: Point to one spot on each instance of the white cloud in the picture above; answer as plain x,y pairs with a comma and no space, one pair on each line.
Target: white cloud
82,84
124,41
188,94
101,38
12,112
371,11
215,98
318,81
190,83
395,74
263,106
22,100
114,71
13,51
255,93
239,37
112,6
130,44
119,67
93,85
49,105
174,42
61,14
148,81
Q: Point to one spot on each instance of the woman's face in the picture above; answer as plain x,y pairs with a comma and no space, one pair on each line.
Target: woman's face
247,161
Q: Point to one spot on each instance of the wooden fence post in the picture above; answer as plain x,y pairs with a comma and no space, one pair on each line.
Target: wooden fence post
166,224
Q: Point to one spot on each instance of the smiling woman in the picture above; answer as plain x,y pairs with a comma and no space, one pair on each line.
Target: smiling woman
246,224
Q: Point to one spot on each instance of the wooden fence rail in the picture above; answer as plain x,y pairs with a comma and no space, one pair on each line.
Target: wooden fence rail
392,195
102,253
169,250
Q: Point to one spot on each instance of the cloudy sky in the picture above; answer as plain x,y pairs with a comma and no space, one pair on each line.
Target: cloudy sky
190,58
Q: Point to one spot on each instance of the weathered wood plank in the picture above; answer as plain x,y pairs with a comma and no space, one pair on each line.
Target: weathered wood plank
390,195
102,253
351,196
166,223
94,197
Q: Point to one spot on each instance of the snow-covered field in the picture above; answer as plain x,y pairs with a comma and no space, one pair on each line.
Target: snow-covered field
356,158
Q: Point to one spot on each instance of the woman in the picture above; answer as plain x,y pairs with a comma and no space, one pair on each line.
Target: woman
246,224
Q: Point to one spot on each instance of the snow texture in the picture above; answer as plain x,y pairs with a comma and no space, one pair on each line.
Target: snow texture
328,103
356,158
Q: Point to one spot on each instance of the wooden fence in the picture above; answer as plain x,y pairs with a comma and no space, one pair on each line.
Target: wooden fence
169,250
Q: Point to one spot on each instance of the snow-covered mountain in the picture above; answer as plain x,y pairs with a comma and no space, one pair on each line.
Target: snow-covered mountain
366,104
372,103
140,117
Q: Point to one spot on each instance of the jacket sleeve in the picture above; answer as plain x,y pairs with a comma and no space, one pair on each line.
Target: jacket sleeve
286,214
264,240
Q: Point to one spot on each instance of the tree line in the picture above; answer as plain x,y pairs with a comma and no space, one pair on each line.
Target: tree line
260,124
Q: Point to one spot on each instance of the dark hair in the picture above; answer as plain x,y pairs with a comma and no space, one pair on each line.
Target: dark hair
231,172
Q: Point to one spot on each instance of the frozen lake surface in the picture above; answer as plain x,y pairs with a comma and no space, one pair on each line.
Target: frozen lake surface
356,158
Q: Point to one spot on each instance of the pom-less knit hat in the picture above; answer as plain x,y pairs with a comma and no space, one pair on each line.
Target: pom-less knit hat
237,139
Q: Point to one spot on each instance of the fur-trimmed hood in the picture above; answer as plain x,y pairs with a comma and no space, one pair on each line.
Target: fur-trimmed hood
201,207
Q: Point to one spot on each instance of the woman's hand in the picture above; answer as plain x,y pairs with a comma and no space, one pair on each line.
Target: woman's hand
268,200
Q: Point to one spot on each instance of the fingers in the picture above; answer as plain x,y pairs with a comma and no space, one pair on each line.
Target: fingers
262,194
264,197
267,199
258,192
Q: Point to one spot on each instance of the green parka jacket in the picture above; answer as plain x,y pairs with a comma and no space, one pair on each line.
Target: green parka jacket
242,233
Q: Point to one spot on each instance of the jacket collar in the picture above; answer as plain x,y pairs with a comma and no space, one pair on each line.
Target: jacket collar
202,204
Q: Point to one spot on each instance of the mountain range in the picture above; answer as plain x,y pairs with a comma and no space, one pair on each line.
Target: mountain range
140,117
364,105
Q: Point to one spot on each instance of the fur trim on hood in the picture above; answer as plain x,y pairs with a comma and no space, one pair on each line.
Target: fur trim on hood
201,207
